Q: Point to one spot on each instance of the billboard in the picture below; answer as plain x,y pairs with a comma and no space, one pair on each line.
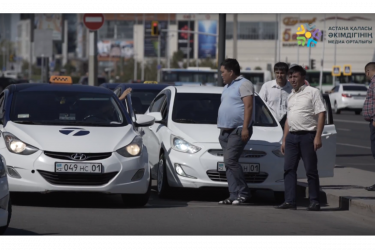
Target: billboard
184,37
49,22
207,44
151,42
116,48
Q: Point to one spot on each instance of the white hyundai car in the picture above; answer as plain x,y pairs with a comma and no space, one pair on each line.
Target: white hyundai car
73,138
347,96
5,204
184,149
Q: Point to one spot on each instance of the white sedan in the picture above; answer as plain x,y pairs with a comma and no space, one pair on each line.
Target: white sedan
346,96
184,149
5,204
73,138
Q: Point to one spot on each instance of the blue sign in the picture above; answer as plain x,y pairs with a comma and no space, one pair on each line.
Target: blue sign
52,65
207,44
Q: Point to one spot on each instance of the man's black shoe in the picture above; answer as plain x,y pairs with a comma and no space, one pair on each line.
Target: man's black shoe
314,206
287,205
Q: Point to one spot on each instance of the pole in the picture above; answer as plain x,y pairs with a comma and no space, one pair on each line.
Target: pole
134,49
235,24
309,55
299,18
188,44
65,45
221,58
42,69
159,66
143,61
93,60
322,61
334,60
3,43
31,38
276,37
167,52
279,38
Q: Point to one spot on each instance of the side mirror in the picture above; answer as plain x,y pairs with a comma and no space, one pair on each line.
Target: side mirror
157,115
144,121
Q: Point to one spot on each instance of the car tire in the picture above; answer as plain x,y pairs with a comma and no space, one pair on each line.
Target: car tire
162,185
336,109
137,200
279,196
357,112
3,229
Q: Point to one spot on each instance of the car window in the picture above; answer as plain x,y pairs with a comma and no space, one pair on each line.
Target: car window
62,108
355,88
203,109
142,98
157,104
327,106
117,92
336,89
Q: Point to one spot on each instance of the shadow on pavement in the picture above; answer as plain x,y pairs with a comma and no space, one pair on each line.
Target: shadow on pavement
353,155
16,231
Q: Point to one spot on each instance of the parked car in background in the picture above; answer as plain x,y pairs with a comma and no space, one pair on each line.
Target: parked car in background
346,96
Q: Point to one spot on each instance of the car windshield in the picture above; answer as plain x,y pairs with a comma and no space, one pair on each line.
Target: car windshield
66,108
142,98
203,109
354,88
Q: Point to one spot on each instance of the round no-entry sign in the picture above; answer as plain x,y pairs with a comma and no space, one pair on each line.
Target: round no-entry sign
93,21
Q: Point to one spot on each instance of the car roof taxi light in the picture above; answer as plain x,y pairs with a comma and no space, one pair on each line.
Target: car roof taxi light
61,80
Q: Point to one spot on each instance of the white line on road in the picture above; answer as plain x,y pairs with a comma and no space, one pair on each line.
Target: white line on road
351,145
348,121
343,129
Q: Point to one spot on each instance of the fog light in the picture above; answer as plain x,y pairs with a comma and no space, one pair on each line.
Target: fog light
138,175
13,173
4,202
180,171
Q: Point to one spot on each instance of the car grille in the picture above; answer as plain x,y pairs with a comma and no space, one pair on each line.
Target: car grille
245,153
67,156
250,177
77,179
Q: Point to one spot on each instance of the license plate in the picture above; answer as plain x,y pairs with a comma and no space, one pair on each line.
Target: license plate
83,167
246,167
359,97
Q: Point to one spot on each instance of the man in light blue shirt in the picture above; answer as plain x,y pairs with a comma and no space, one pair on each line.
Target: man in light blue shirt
235,120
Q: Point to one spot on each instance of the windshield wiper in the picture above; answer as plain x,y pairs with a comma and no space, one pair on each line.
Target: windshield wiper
26,122
185,121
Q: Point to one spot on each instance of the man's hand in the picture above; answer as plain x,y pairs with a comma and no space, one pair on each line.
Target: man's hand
126,92
317,142
282,148
245,134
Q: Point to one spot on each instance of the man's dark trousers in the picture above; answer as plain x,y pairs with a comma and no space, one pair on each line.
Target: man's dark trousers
233,147
300,145
372,138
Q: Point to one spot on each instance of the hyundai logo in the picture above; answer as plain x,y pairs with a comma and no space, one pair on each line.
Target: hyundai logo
74,131
78,157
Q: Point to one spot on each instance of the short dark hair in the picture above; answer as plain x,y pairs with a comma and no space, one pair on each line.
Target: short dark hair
370,65
297,68
281,66
232,64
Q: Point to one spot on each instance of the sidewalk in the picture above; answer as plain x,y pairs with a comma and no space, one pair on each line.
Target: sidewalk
346,190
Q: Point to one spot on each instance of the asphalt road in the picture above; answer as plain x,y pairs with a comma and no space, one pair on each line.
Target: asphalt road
197,212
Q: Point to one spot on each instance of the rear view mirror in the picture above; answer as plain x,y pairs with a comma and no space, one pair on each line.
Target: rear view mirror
157,115
144,121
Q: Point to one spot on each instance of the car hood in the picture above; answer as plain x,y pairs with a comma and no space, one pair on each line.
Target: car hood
72,138
205,133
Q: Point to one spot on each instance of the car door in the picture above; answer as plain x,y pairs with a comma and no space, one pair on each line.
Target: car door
150,138
327,153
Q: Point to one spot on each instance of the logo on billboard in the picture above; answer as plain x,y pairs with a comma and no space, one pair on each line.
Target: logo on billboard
308,33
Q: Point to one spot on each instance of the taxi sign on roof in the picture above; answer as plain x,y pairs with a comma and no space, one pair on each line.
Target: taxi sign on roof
61,79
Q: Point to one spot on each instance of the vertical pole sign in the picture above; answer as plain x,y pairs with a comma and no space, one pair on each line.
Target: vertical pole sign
93,22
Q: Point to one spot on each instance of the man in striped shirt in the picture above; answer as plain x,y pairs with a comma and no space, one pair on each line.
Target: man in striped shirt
369,108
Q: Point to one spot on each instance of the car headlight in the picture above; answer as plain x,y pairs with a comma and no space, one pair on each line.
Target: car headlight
181,145
133,149
17,146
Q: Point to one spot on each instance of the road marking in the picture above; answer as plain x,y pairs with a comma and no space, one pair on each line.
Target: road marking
349,121
343,129
351,145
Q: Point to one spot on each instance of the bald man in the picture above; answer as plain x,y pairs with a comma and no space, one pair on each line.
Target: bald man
369,108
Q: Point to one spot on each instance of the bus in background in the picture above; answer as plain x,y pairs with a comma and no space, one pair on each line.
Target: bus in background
208,76
312,76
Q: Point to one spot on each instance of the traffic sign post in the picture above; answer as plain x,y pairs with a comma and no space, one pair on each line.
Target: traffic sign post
347,70
93,22
336,71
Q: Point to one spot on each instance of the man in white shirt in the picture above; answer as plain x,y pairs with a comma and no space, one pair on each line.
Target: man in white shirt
275,93
302,138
